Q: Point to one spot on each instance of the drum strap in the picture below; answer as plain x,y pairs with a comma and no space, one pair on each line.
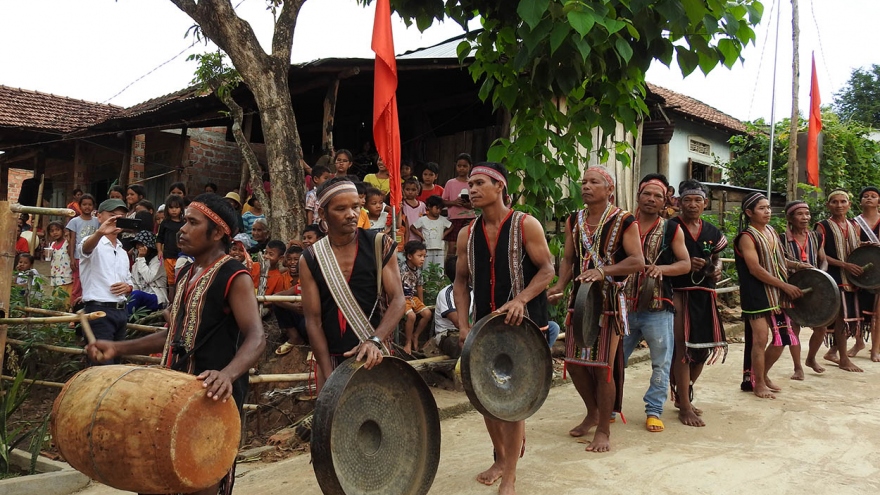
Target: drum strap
868,231
341,292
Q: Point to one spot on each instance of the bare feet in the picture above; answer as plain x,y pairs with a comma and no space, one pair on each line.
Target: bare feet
875,356
491,475
689,417
697,410
772,386
763,392
847,365
600,443
814,365
858,346
831,356
407,349
798,374
507,487
582,429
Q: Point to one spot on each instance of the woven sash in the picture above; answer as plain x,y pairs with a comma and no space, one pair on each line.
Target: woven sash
339,289
869,232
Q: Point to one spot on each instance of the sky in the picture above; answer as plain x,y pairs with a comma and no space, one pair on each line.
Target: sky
127,51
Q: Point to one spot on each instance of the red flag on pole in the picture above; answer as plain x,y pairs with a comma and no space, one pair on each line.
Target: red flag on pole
386,128
814,130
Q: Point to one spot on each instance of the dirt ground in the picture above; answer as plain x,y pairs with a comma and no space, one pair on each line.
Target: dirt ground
820,434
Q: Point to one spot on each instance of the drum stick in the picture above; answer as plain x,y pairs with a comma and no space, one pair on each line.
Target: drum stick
867,266
807,290
86,327
51,319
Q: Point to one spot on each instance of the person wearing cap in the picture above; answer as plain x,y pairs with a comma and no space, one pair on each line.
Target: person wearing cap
869,225
104,274
147,275
234,199
509,275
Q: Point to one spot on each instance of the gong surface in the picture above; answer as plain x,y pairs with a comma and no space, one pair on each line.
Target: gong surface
375,431
587,311
646,293
819,307
506,370
870,277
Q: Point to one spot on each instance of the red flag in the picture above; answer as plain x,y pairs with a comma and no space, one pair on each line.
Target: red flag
814,130
386,128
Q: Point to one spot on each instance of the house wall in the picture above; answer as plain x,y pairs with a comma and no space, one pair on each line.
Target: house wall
649,160
213,159
679,151
16,177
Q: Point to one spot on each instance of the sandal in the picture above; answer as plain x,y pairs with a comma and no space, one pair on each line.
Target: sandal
654,425
284,348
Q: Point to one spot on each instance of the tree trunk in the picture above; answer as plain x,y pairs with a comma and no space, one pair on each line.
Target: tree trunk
793,172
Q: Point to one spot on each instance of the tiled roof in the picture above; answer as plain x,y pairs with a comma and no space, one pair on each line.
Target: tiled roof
697,109
32,110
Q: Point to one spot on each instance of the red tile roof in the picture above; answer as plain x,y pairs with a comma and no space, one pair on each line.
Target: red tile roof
696,109
32,110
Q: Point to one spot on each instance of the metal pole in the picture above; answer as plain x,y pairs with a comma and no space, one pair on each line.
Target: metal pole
773,110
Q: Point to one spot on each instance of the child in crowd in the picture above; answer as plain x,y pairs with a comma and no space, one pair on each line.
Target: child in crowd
459,207
405,171
144,205
178,189
275,281
158,217
429,188
364,218
377,210
148,277
411,277
27,276
21,244
252,215
238,251
381,179
167,242
320,174
411,206
446,317
290,314
115,192
342,161
431,229
61,268
310,235
77,229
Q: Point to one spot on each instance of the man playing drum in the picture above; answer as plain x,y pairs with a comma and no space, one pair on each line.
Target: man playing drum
215,329
504,255
601,246
764,292
869,226
340,293
699,333
841,238
665,256
805,246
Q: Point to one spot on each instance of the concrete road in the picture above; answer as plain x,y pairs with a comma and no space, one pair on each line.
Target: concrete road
819,435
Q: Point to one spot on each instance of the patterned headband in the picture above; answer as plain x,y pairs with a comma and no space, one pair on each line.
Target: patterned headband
491,172
653,182
752,201
338,188
604,173
796,206
693,192
202,207
838,192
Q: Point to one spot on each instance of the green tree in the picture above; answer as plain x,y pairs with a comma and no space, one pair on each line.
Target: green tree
563,68
860,98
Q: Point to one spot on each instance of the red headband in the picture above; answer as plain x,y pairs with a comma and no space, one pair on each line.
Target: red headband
653,182
202,207
604,173
491,172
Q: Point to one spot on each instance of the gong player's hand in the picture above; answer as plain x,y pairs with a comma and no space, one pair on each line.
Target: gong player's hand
101,350
853,269
590,276
697,264
515,311
368,352
792,291
653,271
218,383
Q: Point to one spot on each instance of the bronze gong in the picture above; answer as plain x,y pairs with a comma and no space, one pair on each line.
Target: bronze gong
821,300
586,314
375,431
646,293
506,370
867,257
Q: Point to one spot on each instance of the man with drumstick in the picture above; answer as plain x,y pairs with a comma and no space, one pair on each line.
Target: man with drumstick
665,256
504,255
215,330
601,246
842,237
805,246
340,294
699,333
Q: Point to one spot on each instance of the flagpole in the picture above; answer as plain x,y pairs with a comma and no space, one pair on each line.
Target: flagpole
773,110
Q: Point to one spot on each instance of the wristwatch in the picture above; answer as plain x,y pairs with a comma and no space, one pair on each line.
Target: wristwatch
376,340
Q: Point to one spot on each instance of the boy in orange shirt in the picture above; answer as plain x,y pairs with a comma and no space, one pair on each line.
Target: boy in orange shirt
290,314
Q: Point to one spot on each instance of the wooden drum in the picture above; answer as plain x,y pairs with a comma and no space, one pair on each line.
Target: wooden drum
146,430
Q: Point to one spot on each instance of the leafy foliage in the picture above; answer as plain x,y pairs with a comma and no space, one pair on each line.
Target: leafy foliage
566,67
860,99
13,433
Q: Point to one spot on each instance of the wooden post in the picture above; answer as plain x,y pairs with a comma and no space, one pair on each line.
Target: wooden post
329,117
126,160
7,260
663,159
793,130
36,223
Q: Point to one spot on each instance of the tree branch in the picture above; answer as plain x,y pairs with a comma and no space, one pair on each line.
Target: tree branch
282,39
226,29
